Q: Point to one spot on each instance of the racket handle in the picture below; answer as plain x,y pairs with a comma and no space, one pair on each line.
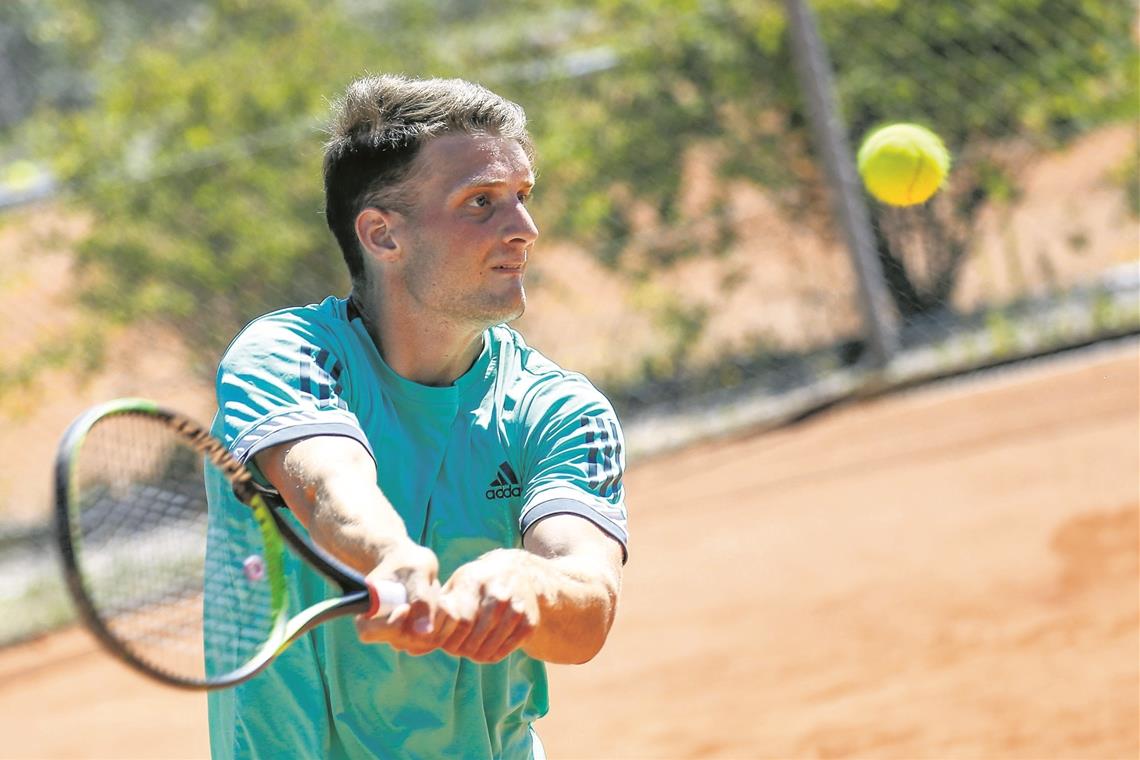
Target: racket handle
386,596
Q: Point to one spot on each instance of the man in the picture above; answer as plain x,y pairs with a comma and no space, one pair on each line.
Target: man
418,439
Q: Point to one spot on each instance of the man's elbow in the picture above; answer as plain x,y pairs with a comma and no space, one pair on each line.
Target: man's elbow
610,588
589,645
577,652
588,652
593,637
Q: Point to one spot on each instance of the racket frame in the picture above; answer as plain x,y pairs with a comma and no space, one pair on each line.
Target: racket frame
359,597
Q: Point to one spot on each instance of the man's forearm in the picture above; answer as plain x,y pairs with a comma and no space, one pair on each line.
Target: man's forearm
330,485
577,599
360,537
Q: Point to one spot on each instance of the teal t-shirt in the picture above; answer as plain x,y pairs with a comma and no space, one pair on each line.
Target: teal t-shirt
468,467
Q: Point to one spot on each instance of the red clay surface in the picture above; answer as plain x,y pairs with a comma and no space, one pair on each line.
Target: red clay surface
947,574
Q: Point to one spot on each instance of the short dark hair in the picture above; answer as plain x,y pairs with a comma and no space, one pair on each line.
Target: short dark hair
377,130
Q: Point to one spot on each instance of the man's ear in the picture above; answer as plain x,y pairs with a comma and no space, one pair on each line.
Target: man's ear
374,230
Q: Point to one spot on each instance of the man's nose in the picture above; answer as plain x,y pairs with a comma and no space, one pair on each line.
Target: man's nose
521,228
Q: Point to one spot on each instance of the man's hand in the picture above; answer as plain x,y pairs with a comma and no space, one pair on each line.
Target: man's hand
409,627
489,606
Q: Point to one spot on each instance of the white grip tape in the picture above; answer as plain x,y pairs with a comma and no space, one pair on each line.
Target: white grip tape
391,595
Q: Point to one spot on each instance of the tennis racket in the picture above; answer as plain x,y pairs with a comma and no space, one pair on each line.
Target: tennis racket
132,525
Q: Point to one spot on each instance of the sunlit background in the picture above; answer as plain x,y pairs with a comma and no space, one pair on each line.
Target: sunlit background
160,186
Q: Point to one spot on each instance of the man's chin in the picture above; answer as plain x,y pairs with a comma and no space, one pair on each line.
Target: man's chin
514,314
509,312
495,308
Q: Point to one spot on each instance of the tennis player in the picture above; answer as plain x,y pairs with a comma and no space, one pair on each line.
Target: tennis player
419,439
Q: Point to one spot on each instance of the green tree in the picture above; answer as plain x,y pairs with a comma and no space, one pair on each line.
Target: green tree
197,151
198,157
995,80
718,73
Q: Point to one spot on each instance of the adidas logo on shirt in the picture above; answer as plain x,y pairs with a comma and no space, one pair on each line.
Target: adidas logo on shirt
505,485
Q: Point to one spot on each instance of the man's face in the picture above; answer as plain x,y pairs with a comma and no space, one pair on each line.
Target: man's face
467,237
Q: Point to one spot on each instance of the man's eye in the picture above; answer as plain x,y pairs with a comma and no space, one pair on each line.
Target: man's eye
524,198
480,201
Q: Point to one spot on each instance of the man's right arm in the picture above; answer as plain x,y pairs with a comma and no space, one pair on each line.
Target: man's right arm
329,483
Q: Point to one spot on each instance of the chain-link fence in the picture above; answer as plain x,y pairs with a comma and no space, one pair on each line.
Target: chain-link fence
700,214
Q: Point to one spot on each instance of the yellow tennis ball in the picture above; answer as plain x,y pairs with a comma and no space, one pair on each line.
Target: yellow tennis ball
903,164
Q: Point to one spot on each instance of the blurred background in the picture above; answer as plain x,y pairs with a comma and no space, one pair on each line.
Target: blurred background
702,230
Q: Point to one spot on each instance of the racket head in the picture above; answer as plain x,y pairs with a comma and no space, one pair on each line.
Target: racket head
132,525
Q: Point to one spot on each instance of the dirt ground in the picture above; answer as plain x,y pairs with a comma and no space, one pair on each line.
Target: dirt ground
950,573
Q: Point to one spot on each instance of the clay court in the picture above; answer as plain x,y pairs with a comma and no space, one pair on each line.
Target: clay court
947,573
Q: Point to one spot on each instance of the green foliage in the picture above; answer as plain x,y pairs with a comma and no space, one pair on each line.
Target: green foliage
1127,177
199,160
988,79
196,151
719,73
59,40
1002,334
1046,68
614,145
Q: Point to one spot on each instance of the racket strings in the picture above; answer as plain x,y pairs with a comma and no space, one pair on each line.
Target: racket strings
174,600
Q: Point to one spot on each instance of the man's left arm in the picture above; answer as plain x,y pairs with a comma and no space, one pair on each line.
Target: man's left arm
577,588
556,597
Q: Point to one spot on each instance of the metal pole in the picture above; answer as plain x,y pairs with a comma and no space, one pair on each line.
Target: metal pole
817,85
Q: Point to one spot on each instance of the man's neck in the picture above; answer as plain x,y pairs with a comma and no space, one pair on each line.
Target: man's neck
426,351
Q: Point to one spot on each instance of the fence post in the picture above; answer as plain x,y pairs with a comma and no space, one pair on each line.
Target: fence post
814,71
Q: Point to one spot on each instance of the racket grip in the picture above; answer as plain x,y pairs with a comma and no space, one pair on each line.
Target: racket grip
386,596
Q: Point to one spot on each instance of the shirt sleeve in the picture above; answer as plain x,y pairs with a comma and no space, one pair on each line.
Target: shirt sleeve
574,459
281,380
